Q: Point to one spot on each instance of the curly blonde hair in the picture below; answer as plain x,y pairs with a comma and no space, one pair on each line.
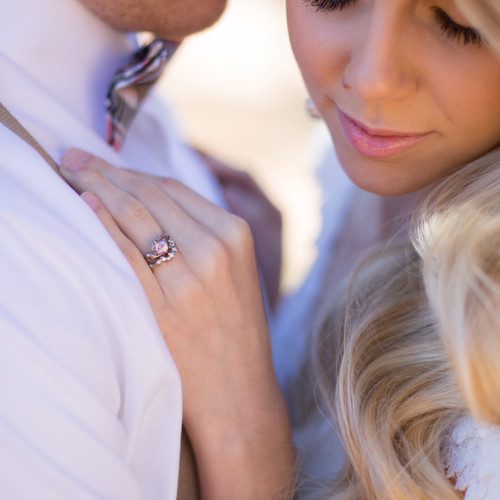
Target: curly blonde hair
458,238
420,344
395,398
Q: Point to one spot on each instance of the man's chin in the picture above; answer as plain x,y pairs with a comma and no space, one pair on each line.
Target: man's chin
202,16
170,19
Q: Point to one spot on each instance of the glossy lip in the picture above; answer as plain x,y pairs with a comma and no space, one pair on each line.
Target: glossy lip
377,143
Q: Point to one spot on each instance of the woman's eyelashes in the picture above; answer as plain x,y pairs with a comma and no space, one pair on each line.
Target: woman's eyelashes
328,5
449,27
456,31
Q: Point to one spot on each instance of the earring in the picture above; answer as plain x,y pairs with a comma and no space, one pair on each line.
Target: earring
311,109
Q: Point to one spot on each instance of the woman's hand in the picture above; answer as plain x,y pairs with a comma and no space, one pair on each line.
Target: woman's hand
247,200
208,304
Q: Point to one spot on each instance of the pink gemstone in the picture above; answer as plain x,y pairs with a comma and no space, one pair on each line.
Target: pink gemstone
160,247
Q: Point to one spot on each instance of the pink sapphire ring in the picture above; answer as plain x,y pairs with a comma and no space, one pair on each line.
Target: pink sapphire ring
163,249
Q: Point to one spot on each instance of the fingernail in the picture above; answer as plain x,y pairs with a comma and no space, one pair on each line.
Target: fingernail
75,159
90,199
71,164
79,154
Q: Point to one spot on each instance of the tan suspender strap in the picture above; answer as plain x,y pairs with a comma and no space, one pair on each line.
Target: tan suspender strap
13,124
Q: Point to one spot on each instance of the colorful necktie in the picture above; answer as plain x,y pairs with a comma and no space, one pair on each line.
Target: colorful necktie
131,84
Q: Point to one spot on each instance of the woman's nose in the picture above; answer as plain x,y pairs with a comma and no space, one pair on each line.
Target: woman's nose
380,66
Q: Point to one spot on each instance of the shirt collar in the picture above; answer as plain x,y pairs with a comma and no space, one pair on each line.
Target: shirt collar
67,50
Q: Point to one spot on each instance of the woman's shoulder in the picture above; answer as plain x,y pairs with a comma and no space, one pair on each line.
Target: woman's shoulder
472,459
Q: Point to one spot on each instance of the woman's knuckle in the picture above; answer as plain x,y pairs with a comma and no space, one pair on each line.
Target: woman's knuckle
213,248
133,211
237,231
213,257
89,176
168,184
147,191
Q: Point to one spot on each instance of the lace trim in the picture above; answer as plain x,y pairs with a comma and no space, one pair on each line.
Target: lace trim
472,459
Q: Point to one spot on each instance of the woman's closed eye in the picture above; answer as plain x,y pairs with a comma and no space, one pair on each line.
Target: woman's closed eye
455,31
463,34
329,5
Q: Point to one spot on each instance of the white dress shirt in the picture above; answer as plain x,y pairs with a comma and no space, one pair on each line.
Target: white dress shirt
90,399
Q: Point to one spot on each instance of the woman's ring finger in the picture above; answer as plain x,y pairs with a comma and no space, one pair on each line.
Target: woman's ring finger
163,249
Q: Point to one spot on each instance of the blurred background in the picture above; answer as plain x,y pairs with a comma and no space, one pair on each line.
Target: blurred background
239,96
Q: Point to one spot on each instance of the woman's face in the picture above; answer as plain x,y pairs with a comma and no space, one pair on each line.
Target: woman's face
407,88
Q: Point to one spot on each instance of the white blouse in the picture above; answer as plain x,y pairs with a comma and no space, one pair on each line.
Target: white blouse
472,459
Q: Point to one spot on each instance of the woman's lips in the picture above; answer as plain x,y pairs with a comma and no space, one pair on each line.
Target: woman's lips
379,143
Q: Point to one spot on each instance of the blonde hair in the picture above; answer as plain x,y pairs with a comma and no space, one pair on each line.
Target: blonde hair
458,238
420,346
420,343
395,398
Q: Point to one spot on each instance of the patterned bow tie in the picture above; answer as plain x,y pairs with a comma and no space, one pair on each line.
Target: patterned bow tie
131,84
